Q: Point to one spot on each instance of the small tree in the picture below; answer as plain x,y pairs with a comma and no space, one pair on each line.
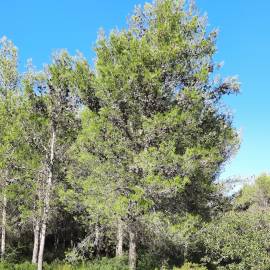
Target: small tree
49,124
9,79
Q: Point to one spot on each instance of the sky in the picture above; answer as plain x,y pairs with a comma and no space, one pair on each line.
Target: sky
40,27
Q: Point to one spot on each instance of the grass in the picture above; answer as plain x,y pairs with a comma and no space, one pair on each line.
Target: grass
103,264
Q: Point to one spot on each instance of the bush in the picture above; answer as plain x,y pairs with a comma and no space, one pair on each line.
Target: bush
191,266
103,264
109,264
237,241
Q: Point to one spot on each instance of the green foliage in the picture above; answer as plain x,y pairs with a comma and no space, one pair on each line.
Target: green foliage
255,194
167,237
22,266
109,264
139,139
238,241
9,75
191,266
158,138
103,264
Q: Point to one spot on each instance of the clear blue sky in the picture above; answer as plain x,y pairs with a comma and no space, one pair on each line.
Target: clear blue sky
39,27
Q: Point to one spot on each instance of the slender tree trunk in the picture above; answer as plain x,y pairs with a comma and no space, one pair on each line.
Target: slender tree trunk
46,208
97,239
132,249
120,235
42,240
36,242
4,223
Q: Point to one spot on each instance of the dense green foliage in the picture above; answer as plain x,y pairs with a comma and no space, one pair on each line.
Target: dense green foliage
116,166
239,239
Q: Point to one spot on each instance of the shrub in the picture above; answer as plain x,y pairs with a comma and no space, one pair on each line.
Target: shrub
237,241
110,264
191,266
103,264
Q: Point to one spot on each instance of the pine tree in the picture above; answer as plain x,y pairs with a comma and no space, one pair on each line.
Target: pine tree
158,138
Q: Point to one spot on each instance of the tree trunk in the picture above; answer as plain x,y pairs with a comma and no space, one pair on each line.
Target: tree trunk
132,249
42,240
120,235
36,242
4,223
97,240
46,208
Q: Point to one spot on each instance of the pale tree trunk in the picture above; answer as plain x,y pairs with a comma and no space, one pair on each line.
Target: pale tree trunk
120,235
36,228
36,242
97,239
46,208
42,239
4,223
132,260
